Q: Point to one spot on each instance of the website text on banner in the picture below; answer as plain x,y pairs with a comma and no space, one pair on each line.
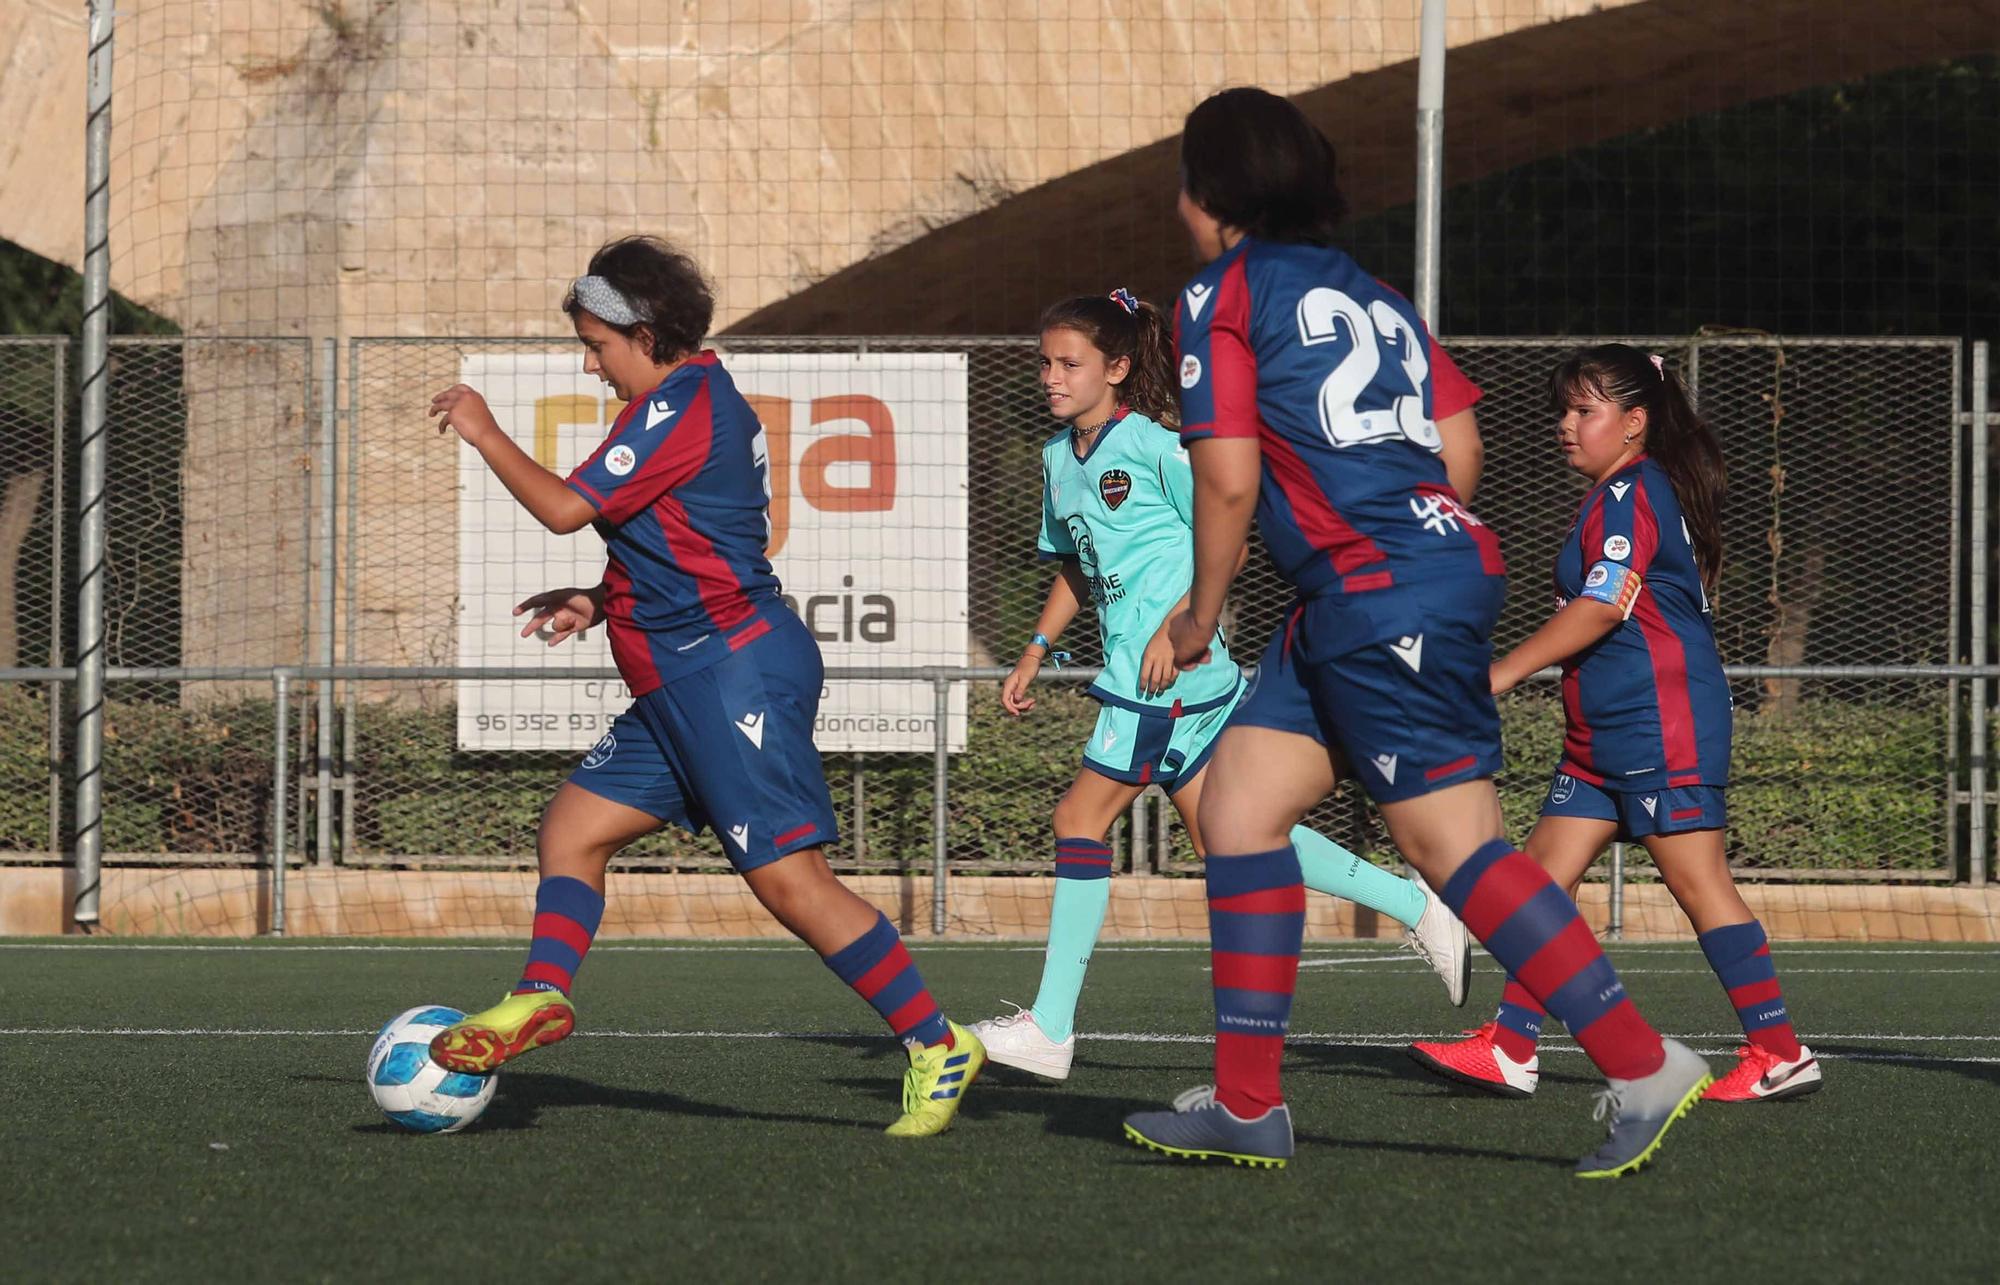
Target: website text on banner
867,475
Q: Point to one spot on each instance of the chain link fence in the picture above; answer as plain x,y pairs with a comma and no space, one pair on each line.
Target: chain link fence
1844,529
35,418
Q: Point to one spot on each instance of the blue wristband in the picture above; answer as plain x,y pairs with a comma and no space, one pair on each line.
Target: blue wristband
1042,641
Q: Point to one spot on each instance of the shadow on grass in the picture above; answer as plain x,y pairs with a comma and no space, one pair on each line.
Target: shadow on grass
526,1094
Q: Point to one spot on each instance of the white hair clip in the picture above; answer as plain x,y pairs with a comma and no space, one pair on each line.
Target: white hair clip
606,302
1659,364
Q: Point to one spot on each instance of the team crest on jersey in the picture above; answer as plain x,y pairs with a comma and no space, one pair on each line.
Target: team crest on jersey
1114,486
620,461
1190,371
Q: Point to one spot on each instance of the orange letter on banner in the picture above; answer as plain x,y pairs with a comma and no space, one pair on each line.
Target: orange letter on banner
551,413
775,414
876,448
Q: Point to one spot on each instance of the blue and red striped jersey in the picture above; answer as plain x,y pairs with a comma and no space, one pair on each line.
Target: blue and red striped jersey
1342,385
681,488
1647,706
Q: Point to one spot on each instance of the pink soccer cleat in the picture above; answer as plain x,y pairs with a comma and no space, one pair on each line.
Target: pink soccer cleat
1763,1076
1478,1061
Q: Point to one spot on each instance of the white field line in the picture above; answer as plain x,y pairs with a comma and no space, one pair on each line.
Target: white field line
1337,1039
1386,951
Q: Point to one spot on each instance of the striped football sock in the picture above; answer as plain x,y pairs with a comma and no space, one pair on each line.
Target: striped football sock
567,912
881,971
1741,957
1083,890
1256,922
1532,927
1517,1023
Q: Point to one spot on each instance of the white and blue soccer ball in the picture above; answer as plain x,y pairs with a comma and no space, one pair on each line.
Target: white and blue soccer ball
415,1092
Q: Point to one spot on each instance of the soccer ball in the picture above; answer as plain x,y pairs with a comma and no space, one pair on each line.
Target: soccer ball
415,1092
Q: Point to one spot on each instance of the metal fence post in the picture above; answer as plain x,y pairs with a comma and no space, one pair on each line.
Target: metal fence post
1954,753
1614,926
1140,835
58,467
325,464
89,852
1430,157
940,773
280,768
348,713
1981,573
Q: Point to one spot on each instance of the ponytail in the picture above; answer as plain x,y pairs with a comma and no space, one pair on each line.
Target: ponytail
1120,325
1676,435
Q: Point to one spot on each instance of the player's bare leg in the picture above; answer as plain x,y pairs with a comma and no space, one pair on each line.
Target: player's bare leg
579,834
1041,1039
864,950
1546,946
1771,1063
1261,781
1500,1056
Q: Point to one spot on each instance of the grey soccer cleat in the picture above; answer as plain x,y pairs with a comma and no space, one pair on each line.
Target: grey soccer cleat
1643,1110
1200,1128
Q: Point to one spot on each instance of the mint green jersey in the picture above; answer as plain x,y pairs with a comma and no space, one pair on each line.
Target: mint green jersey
1125,512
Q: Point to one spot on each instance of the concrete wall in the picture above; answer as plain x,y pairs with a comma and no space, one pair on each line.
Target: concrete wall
198,902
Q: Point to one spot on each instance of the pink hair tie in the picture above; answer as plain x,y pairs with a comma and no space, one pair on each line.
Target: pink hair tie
1659,364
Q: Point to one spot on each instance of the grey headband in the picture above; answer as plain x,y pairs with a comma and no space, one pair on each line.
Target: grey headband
606,302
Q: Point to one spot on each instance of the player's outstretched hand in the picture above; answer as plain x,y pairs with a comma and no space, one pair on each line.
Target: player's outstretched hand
1192,641
561,613
1014,696
465,412
1157,670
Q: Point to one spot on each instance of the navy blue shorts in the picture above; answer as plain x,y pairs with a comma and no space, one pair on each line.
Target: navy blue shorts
1638,813
729,747
1395,679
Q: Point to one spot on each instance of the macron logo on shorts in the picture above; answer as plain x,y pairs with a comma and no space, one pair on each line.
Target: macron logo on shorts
1386,765
1110,737
740,836
1652,804
752,727
1412,652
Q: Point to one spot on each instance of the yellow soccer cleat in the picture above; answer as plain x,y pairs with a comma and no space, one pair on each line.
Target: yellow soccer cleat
481,1042
936,1083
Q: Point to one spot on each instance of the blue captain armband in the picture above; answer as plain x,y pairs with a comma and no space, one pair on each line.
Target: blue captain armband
1614,585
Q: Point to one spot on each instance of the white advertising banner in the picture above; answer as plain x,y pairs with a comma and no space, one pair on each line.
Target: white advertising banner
868,537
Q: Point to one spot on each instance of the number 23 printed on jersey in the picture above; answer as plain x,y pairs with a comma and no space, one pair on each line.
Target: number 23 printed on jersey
1371,332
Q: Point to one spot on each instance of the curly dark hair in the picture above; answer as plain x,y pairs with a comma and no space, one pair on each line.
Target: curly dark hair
663,284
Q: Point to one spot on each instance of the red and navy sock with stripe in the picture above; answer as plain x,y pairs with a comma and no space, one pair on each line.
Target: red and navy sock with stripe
1532,927
1256,923
881,971
1517,1023
567,912
1741,957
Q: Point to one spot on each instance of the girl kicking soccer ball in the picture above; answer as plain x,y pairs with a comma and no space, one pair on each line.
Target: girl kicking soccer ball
1117,512
1646,708
725,680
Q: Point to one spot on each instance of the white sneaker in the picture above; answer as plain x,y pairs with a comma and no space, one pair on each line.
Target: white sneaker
1017,1040
1439,940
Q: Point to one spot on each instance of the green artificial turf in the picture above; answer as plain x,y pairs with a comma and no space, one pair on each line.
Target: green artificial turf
202,1152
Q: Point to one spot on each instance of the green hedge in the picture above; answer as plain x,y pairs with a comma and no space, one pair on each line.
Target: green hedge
1838,785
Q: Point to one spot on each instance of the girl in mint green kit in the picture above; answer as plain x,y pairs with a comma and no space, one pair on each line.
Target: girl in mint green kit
1117,515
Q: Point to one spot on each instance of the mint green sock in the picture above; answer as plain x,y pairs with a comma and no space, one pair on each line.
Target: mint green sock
1083,891
1328,867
